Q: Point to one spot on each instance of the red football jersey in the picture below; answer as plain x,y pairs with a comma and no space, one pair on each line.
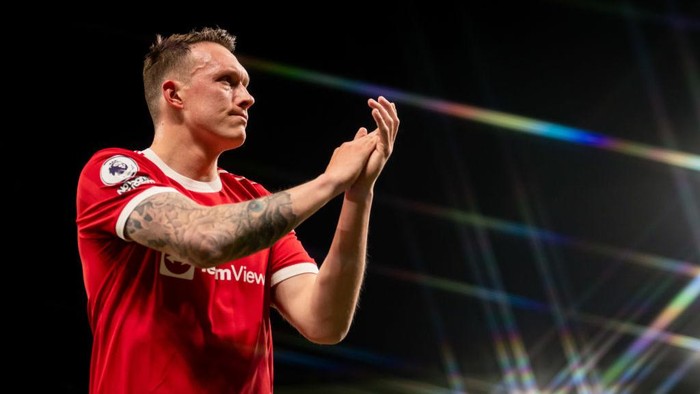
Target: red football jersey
160,325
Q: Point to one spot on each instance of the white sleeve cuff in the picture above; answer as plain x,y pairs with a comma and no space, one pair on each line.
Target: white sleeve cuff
293,270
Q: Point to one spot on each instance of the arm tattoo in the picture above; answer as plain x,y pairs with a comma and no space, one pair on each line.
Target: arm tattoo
174,224
262,222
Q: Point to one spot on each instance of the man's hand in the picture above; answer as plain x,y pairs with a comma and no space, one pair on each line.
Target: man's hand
387,120
349,160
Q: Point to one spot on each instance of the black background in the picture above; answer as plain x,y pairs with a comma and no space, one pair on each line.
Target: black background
465,210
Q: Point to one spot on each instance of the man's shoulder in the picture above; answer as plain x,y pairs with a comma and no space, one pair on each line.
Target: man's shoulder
116,154
229,178
114,151
114,160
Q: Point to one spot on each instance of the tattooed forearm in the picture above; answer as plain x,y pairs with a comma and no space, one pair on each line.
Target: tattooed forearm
207,236
260,223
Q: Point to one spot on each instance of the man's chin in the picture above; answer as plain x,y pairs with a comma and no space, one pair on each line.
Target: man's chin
237,142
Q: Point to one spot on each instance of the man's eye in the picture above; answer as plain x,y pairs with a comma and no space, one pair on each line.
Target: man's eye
226,80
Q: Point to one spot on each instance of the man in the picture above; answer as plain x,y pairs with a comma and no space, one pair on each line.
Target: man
182,260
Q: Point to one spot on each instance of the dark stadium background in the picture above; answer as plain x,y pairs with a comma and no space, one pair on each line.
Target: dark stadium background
536,230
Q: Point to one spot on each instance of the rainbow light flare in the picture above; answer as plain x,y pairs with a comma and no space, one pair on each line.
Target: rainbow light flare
521,302
687,268
677,305
509,337
490,117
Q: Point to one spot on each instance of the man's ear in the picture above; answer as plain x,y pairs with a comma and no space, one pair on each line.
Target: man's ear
171,94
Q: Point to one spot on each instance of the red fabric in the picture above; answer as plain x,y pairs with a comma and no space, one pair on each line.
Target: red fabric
161,326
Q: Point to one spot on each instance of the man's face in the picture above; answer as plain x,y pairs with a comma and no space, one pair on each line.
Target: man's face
215,98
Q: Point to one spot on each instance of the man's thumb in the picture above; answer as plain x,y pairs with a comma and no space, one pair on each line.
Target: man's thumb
361,132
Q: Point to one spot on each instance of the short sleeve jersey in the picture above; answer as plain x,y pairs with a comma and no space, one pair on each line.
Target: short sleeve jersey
160,325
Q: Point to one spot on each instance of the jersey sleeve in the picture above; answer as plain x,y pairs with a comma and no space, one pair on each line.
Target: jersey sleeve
289,258
111,184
